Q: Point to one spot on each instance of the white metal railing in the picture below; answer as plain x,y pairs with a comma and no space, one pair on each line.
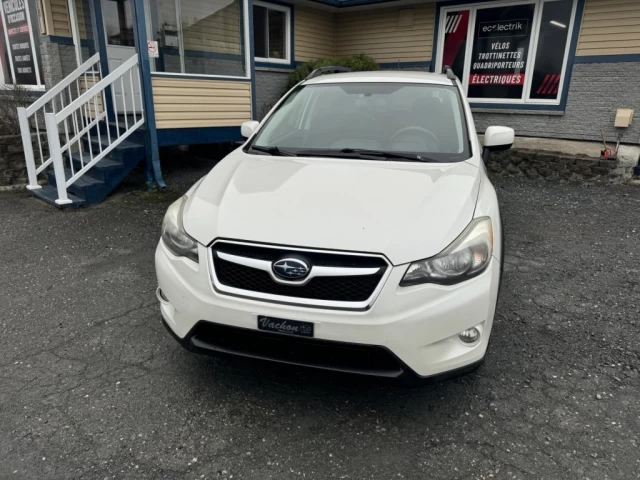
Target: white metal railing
57,98
83,122
88,102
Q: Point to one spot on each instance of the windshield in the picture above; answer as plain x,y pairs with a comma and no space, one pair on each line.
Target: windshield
423,120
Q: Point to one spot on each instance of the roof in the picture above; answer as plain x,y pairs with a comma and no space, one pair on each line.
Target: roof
381,77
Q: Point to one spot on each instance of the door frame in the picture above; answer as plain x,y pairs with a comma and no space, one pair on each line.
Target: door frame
154,173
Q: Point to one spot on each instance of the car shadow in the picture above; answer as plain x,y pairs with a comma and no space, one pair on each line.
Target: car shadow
240,383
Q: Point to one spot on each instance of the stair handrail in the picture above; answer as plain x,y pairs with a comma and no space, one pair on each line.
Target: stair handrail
55,122
97,88
57,92
62,84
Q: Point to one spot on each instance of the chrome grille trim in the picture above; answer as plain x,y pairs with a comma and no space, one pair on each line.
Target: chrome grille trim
316,271
320,271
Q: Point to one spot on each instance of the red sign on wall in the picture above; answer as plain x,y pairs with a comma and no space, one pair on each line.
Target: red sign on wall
503,79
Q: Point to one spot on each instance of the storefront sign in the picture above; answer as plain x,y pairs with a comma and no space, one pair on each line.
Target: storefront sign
500,52
17,26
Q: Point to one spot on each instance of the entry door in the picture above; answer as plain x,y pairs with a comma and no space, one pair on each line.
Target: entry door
118,27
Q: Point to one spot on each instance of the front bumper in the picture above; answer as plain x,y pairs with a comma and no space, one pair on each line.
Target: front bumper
417,326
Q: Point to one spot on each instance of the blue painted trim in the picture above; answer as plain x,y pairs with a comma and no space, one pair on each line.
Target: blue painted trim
425,64
571,59
197,77
56,39
97,22
608,58
436,36
64,40
191,136
573,46
252,63
154,170
292,53
517,106
280,66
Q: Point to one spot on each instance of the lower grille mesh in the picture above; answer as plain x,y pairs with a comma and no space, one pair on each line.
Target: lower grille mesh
346,357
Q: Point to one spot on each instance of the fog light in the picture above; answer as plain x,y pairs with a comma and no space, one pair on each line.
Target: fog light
161,296
469,336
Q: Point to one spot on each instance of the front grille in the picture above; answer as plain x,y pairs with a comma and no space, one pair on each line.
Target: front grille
331,355
356,288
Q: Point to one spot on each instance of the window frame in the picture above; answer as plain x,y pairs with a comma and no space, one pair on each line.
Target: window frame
245,40
288,34
525,99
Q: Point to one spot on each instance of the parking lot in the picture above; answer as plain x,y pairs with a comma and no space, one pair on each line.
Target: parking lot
93,387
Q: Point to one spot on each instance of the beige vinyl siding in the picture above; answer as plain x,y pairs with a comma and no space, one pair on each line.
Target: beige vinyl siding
377,33
182,103
610,27
209,28
60,18
55,18
314,32
97,106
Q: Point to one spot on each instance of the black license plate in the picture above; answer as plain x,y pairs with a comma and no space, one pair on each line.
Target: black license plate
289,327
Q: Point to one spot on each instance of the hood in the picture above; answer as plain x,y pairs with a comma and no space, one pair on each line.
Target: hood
405,211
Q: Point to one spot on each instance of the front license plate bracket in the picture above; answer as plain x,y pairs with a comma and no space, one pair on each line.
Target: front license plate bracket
286,327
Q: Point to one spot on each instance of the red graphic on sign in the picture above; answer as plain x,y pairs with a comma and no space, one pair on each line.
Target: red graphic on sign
503,79
18,30
456,34
549,85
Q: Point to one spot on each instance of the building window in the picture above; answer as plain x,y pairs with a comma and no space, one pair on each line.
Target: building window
513,54
271,32
200,37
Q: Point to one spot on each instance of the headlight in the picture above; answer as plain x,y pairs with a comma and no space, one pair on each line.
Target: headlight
173,234
466,257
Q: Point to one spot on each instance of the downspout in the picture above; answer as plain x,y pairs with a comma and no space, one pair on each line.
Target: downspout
249,49
154,170
97,23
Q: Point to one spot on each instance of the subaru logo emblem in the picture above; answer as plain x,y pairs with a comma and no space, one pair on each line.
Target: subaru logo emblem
290,268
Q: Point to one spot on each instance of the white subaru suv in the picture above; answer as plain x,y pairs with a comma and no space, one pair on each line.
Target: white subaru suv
355,230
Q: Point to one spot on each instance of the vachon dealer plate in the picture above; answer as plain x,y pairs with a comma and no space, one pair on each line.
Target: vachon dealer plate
289,327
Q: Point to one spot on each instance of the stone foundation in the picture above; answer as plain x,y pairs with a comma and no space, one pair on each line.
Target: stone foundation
13,169
271,84
535,164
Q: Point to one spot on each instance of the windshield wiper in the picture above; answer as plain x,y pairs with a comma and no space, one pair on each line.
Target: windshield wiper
381,153
275,151
363,154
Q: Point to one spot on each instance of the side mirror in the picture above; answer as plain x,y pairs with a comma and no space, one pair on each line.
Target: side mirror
249,128
496,139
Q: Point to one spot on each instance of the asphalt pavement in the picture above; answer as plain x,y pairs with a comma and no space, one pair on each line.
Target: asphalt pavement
93,387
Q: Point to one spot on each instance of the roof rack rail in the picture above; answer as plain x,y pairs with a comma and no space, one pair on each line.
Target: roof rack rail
450,75
333,69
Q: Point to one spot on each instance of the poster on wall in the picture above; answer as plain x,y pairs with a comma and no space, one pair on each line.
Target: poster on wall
456,25
500,52
17,28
